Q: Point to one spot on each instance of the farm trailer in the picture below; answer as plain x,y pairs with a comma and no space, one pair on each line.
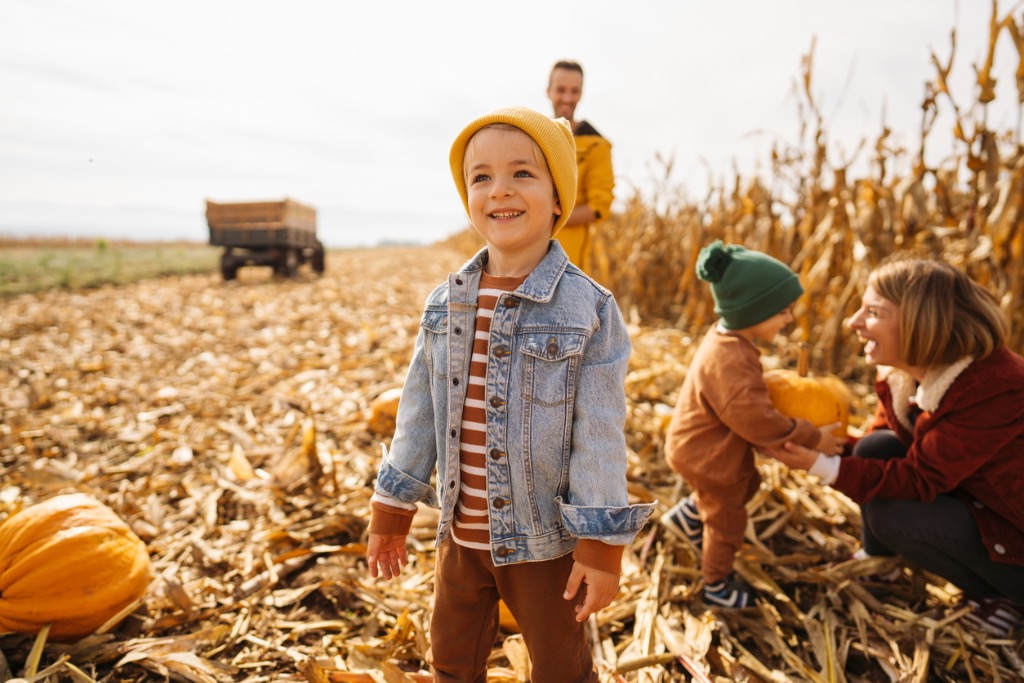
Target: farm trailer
280,234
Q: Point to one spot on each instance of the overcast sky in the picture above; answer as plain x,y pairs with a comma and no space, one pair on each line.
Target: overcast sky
120,117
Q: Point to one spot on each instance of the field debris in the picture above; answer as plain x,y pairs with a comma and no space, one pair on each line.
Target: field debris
230,424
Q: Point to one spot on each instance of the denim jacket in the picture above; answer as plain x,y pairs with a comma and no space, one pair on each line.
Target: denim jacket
556,408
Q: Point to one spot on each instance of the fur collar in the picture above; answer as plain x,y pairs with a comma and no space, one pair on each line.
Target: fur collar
928,394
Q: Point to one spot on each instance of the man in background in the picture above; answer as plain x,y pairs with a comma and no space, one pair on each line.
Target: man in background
593,160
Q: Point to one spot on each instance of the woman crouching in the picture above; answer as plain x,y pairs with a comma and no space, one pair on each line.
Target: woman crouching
940,473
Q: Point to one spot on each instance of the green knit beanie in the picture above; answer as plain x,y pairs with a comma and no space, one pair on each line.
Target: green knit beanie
749,287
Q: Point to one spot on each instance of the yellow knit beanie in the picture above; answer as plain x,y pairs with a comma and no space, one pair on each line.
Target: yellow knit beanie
553,136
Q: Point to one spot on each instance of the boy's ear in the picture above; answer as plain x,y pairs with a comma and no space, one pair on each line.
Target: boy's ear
558,207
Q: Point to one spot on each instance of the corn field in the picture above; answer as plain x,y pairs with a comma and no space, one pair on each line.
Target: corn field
831,228
237,427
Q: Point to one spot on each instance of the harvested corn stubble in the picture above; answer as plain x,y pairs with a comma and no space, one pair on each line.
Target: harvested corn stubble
257,537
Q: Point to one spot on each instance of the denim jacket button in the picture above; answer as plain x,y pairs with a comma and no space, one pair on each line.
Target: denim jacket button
552,348
458,330
504,551
458,280
496,402
455,381
454,433
499,503
500,351
511,302
496,454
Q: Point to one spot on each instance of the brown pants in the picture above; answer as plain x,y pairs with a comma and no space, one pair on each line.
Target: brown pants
467,586
724,511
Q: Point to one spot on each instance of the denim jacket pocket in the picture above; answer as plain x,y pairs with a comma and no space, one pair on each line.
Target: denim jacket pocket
550,365
435,348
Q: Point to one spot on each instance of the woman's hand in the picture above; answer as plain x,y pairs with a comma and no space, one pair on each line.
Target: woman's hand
794,456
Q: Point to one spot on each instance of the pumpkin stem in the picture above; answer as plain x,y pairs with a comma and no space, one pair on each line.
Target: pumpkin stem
803,364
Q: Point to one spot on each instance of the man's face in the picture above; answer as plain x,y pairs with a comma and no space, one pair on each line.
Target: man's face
565,91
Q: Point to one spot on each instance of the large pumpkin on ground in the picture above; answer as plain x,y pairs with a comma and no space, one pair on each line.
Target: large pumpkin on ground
71,562
819,400
507,622
384,412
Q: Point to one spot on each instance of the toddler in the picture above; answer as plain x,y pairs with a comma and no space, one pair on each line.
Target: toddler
724,411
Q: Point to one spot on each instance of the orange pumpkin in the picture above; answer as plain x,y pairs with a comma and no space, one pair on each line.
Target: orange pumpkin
819,400
71,562
384,411
506,620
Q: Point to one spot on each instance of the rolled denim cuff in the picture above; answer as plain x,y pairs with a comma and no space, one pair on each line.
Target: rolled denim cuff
395,483
613,525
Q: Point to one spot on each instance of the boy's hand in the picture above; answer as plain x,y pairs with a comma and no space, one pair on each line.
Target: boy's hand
602,587
831,444
386,555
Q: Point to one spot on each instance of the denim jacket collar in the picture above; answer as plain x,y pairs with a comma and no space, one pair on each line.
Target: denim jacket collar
540,284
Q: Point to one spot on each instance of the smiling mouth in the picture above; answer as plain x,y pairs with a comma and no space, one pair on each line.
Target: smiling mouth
506,214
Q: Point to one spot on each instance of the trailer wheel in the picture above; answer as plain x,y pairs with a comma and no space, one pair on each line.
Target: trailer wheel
291,262
228,267
318,259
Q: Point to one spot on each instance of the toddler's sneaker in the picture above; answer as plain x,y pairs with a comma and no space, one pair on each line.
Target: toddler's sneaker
730,592
683,520
995,616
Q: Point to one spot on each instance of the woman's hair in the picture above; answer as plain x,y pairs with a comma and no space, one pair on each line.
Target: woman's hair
944,314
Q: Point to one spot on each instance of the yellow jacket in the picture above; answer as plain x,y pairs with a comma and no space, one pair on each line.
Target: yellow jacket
594,163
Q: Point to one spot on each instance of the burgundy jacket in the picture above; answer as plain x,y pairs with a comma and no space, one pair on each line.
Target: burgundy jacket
969,441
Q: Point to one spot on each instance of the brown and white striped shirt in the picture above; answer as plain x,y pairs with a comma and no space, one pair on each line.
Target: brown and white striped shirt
472,526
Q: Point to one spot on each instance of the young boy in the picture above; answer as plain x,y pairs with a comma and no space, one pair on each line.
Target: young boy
515,396
724,412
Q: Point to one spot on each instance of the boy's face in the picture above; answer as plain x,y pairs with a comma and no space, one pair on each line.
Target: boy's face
767,330
565,91
512,200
